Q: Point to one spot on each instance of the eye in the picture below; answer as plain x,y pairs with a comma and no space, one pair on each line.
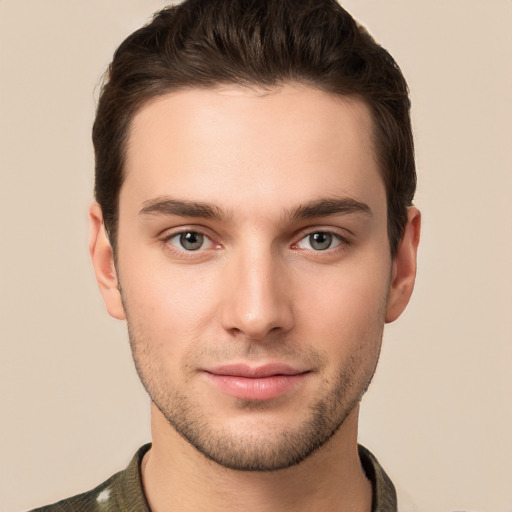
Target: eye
190,241
319,241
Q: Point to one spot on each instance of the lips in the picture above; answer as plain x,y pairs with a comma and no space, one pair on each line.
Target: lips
258,383
242,370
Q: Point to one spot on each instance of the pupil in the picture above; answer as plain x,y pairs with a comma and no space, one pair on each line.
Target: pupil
320,241
191,241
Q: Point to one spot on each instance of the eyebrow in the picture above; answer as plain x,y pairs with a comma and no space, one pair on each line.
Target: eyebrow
181,208
329,206
316,208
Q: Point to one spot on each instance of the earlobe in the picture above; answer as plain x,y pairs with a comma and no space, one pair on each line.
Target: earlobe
102,258
404,267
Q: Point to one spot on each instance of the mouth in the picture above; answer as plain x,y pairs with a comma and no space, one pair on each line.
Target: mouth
256,383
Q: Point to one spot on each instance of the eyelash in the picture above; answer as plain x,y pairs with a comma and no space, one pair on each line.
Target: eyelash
167,240
339,241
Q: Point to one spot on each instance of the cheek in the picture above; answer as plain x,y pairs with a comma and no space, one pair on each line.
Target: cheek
166,302
349,293
166,317
346,309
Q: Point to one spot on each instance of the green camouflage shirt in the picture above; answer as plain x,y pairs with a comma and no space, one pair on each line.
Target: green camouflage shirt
123,492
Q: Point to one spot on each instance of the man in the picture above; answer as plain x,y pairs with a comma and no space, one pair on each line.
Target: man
254,226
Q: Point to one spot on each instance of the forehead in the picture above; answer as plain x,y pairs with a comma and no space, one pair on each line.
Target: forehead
291,143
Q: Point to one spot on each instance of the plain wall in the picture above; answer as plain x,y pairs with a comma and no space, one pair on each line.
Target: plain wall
438,414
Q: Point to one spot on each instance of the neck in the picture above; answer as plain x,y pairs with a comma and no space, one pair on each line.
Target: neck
177,477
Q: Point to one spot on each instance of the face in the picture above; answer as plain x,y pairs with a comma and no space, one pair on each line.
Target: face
254,267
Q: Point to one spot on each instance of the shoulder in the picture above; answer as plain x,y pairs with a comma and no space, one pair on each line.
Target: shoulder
121,492
90,501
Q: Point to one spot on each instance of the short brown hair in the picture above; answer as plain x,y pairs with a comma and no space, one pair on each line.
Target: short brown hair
204,43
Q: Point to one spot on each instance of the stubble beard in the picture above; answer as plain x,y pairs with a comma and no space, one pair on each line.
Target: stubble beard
262,450
270,451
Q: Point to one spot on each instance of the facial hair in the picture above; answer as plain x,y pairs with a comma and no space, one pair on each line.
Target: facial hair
260,448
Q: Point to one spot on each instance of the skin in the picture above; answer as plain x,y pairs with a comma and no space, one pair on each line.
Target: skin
255,174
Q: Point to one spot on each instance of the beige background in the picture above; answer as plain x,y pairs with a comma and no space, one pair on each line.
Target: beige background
439,412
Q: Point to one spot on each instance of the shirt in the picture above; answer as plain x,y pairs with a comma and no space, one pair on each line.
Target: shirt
123,491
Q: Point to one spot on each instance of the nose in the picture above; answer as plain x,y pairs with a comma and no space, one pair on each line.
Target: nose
257,296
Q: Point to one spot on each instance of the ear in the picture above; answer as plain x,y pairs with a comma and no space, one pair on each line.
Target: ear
103,262
404,267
